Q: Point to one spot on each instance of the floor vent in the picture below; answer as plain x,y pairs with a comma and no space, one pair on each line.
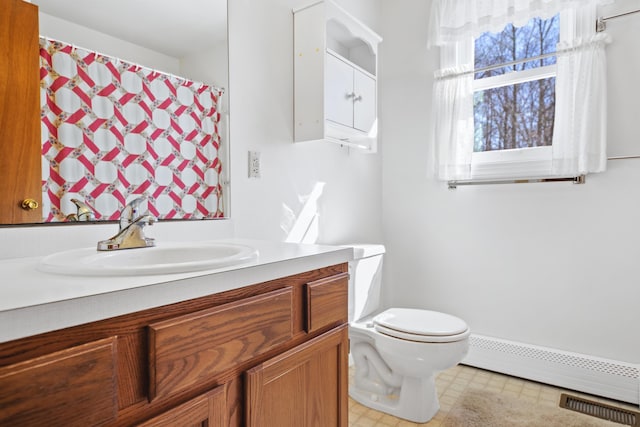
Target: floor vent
600,410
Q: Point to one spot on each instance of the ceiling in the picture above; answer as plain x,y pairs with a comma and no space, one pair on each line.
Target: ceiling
175,28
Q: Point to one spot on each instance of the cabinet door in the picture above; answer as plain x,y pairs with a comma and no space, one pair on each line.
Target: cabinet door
306,386
339,91
364,103
207,410
19,113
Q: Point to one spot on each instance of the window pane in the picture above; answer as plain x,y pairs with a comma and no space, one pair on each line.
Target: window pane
537,37
516,116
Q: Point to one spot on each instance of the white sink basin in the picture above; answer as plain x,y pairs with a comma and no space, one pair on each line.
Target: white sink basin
161,259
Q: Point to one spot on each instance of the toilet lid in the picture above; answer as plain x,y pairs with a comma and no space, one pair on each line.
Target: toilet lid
421,325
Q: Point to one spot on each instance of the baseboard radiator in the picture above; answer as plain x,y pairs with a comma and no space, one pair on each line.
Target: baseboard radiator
588,374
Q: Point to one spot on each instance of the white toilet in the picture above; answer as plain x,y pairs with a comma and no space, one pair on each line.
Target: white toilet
397,352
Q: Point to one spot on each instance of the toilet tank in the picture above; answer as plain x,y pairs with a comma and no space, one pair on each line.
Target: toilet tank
365,280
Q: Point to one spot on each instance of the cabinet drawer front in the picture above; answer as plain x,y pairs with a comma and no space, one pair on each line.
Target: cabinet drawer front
73,387
327,301
192,349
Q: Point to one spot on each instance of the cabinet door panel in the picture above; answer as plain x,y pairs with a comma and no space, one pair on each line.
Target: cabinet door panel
339,91
306,386
73,387
364,104
193,349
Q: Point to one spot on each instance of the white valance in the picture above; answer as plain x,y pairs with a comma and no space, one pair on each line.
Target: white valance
455,20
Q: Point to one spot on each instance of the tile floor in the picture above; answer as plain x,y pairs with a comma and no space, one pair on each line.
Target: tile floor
452,383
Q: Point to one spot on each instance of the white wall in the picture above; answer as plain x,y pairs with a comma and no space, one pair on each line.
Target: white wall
547,264
261,81
209,66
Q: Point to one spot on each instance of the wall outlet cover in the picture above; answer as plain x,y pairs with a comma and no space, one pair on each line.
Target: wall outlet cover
254,164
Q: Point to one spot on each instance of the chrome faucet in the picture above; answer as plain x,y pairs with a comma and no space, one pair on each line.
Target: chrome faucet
84,212
131,233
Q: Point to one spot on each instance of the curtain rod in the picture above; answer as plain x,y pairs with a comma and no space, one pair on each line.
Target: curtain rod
601,23
516,62
439,75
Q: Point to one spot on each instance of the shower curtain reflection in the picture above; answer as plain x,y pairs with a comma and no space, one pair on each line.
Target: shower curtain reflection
113,131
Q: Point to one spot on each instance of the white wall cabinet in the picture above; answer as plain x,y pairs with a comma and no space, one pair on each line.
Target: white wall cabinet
335,77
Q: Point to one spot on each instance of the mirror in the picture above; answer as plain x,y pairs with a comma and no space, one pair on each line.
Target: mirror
183,42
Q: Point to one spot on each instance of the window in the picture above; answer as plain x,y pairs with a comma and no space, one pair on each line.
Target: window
514,105
514,90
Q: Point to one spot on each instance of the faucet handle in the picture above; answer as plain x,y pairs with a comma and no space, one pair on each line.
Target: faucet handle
129,212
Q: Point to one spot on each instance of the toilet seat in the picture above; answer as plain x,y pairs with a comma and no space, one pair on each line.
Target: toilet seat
421,325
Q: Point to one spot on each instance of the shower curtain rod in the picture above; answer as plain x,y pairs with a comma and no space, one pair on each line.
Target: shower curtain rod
601,23
170,75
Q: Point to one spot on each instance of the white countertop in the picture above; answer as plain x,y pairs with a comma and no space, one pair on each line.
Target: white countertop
33,302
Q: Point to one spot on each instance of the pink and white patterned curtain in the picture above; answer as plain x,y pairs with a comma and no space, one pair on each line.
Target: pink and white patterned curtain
113,131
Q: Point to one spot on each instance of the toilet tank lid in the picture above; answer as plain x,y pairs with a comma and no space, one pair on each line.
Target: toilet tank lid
365,250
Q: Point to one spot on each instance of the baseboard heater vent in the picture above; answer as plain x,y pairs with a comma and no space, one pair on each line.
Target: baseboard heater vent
600,410
594,375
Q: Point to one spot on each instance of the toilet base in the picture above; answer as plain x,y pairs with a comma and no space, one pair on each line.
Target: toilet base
417,401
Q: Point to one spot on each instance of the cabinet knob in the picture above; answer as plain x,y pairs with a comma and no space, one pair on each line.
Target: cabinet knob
29,204
350,95
357,98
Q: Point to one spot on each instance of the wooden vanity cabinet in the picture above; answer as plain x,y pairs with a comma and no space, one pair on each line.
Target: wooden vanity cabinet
273,353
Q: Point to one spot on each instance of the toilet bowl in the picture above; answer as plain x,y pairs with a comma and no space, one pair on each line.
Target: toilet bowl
397,352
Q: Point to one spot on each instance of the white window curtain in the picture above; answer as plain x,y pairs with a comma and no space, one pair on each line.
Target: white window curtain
580,129
453,122
579,141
